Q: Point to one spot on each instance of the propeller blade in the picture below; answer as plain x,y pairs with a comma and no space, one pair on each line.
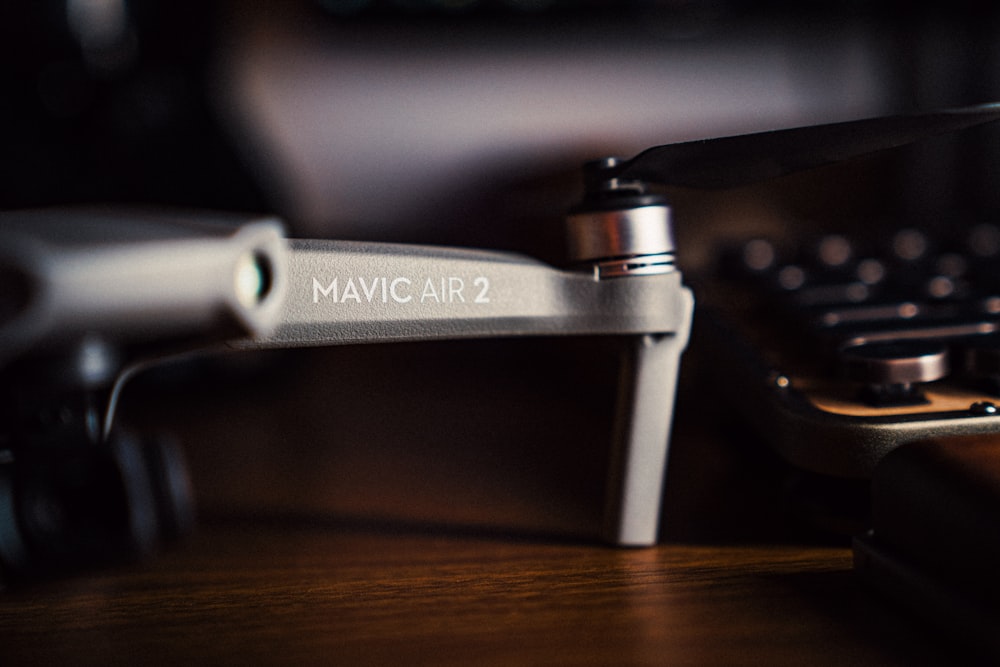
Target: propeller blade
728,162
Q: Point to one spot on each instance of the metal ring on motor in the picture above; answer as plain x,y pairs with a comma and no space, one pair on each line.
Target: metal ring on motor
630,241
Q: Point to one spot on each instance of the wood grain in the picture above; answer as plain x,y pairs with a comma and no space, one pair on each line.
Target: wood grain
266,593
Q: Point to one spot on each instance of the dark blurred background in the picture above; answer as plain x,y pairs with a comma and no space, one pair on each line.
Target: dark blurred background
457,121
462,122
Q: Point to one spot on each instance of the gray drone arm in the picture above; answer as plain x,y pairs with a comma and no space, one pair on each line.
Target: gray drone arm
135,279
343,292
142,286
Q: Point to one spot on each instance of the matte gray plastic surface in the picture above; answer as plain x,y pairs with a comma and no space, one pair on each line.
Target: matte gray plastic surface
344,292
133,277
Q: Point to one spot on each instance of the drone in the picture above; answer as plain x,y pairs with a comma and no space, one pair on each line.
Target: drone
90,297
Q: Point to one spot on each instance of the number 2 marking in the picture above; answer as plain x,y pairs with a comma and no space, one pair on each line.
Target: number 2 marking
483,283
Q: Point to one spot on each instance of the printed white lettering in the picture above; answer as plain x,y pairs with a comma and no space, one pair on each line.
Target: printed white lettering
483,283
325,291
399,289
455,287
395,295
369,290
429,292
350,292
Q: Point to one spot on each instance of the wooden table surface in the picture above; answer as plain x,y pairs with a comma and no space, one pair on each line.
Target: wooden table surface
355,549
260,593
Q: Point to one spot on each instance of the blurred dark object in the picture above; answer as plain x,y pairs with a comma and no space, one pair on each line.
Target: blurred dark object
933,545
74,506
104,101
71,496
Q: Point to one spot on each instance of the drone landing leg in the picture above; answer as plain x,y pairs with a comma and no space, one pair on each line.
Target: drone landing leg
642,429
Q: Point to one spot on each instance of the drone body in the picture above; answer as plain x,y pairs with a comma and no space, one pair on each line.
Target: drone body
88,297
